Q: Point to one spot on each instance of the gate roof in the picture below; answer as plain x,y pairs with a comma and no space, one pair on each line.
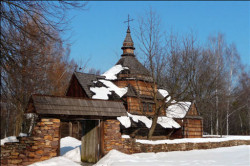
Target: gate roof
54,105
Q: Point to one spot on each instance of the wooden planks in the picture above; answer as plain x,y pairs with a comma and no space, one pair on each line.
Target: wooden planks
193,128
90,141
54,105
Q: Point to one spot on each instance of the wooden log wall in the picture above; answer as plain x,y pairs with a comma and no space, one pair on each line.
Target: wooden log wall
193,128
141,87
140,106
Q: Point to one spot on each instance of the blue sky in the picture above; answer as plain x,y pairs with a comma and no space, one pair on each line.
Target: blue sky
97,33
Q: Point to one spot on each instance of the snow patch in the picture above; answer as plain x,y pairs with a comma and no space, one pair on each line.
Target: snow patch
165,122
9,139
74,155
68,143
23,135
143,119
125,121
178,110
100,93
164,93
193,140
56,161
112,72
230,156
125,136
103,92
112,87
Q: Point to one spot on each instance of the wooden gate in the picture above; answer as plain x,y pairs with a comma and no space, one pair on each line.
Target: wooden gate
90,149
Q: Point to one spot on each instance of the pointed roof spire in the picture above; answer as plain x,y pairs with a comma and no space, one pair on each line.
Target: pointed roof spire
128,38
128,44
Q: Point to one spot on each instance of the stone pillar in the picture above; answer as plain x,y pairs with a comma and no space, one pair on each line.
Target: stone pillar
43,144
112,136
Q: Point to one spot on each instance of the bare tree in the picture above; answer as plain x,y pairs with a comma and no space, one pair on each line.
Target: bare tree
33,58
16,14
189,71
232,61
151,45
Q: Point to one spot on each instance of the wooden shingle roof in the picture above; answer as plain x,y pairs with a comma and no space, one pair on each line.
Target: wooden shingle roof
135,67
86,80
52,105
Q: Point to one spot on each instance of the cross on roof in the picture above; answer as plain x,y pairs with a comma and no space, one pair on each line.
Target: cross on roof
128,20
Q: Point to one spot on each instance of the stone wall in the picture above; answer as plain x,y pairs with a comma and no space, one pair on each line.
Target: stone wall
112,135
130,146
43,144
113,140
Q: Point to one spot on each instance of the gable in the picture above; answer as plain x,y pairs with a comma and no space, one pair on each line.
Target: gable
192,110
75,89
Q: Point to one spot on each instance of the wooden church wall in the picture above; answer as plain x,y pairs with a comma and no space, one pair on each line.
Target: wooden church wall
192,111
193,128
144,88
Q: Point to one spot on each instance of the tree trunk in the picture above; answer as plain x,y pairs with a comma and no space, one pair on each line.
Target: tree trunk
217,114
152,129
211,124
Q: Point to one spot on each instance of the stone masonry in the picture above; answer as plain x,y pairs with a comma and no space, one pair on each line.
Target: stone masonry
112,135
113,140
43,144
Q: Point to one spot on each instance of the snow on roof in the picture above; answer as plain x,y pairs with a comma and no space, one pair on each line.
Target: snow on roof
113,87
143,119
178,110
165,122
125,121
112,72
100,93
164,93
103,92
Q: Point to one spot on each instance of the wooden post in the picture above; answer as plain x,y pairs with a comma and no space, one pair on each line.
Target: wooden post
70,129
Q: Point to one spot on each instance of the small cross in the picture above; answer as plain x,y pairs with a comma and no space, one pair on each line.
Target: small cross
128,20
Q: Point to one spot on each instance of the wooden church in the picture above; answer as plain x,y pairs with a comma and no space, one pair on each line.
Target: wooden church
123,94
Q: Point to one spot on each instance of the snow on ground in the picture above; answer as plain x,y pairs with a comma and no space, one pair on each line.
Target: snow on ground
112,72
70,154
56,161
229,156
69,143
193,140
74,155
